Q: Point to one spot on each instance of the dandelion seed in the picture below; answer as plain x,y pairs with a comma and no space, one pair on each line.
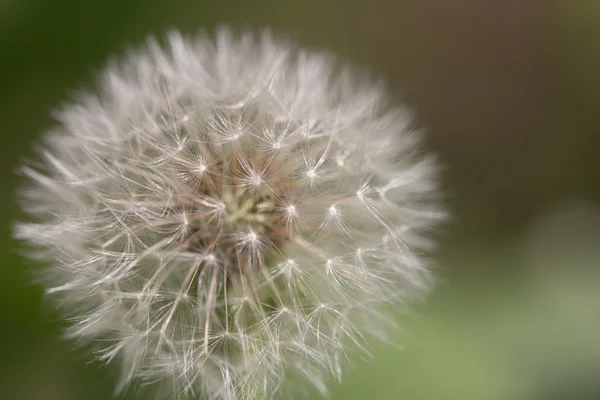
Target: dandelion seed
225,218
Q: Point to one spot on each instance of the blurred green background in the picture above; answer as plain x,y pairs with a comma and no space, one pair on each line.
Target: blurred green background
509,93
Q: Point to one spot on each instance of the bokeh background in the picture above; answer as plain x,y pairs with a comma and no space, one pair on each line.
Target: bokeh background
509,93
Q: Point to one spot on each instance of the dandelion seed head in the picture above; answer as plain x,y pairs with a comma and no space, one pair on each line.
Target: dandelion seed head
226,216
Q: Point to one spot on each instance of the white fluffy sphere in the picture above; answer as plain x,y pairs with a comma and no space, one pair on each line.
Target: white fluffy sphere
227,216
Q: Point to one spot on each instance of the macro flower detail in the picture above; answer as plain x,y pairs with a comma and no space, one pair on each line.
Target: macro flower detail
226,217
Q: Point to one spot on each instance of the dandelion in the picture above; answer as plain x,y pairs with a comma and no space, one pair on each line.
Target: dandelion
226,218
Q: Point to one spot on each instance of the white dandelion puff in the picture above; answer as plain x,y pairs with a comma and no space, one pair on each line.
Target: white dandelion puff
226,217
